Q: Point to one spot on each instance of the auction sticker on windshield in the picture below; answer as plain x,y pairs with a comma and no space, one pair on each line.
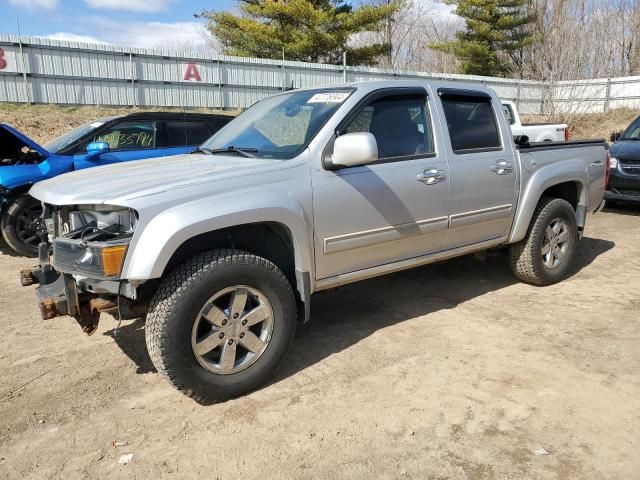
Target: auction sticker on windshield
329,97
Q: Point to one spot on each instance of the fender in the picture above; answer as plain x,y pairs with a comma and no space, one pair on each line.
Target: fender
157,239
570,170
15,176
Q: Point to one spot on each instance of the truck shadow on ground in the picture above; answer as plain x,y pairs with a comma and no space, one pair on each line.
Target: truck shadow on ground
623,209
344,317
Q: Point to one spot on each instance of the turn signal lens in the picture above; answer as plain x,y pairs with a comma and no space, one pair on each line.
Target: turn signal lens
112,259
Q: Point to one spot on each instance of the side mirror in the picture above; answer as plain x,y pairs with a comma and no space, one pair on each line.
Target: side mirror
615,136
95,149
354,149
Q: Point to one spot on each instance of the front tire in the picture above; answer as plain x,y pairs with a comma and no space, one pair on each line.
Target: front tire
220,324
546,253
21,225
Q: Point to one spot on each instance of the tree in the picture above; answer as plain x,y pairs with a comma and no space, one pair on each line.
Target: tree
495,32
307,30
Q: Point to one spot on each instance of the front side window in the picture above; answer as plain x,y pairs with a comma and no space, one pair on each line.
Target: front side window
130,136
280,126
471,123
400,124
60,143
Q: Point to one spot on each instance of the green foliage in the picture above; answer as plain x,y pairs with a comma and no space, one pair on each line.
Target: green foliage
307,30
496,32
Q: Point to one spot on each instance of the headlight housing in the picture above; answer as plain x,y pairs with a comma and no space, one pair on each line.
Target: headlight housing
92,240
613,162
96,259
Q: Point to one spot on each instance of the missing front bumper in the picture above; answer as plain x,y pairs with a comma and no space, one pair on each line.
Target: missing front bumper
58,295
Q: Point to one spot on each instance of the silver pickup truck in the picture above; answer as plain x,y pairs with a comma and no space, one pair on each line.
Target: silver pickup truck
308,190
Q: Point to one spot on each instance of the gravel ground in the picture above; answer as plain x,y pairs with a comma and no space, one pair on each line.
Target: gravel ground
450,371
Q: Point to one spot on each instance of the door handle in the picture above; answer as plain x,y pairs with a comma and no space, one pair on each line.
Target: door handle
502,168
431,176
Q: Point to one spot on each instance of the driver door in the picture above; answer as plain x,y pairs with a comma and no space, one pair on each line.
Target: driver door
383,212
128,140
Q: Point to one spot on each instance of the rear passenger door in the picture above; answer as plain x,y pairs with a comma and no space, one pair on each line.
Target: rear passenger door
483,168
184,136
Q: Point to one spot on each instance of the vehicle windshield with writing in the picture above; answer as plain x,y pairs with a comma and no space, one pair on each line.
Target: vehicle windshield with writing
24,162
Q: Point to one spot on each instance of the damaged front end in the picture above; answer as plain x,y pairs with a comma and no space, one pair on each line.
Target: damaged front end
82,277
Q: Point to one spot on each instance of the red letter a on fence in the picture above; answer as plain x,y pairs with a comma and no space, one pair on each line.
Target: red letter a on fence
192,73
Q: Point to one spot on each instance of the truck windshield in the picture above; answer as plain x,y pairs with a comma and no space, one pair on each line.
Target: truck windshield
281,126
633,131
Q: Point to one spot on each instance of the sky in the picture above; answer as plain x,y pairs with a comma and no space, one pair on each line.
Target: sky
138,23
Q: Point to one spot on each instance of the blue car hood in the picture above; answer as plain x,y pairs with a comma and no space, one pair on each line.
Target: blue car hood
626,149
26,140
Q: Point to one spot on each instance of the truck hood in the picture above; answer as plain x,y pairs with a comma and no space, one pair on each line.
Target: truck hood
116,184
626,149
12,141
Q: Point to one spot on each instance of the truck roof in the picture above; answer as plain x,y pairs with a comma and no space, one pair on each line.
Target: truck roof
418,82
167,115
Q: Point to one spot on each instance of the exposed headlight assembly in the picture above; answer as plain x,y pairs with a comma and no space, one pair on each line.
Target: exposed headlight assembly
94,240
95,259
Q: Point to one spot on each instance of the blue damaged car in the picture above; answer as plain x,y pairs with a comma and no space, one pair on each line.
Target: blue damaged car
136,136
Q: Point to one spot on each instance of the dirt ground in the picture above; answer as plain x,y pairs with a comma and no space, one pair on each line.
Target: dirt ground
450,371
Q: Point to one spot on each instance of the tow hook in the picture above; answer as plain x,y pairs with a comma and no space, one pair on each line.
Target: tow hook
27,278
88,319
50,308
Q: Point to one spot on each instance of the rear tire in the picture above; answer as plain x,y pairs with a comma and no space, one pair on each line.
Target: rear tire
198,319
546,253
21,225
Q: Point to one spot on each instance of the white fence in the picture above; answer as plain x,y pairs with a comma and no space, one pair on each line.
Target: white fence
36,70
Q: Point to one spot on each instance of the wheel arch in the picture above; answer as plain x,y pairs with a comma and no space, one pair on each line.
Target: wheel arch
553,182
275,227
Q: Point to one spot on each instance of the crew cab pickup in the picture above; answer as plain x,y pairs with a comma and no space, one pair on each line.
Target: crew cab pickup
305,191
537,132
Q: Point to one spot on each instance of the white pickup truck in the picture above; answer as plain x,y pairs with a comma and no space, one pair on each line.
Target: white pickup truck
537,132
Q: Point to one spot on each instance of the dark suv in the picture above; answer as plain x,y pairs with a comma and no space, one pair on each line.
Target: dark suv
624,182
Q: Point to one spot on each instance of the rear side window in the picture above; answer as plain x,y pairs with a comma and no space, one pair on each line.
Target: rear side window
471,122
180,134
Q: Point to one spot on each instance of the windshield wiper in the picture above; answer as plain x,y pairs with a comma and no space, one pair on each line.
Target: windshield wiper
202,150
244,151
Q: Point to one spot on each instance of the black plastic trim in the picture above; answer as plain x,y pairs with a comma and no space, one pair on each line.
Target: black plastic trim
542,146
462,92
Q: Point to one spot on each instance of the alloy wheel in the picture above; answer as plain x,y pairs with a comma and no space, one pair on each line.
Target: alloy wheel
232,330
